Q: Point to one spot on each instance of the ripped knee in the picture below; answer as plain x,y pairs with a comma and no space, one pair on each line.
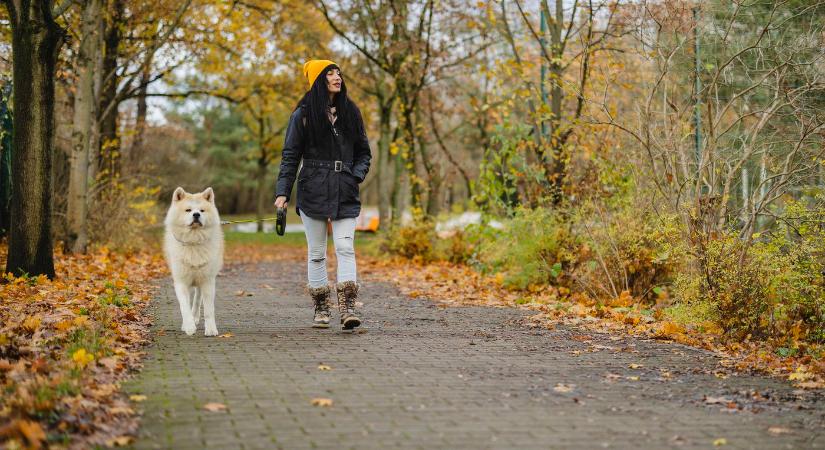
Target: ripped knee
318,260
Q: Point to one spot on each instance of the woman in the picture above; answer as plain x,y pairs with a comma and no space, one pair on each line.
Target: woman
326,133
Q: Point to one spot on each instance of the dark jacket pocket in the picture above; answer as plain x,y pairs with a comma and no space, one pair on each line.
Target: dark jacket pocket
313,195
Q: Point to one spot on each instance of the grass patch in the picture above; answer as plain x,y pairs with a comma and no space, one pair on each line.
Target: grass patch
88,339
239,237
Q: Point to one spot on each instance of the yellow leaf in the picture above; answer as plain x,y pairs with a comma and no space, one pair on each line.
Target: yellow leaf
324,367
31,323
325,402
82,358
226,335
137,397
800,374
720,442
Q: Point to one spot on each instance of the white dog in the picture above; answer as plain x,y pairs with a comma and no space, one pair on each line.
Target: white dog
193,245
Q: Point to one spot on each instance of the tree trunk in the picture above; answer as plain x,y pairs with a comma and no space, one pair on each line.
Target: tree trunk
36,41
109,150
140,119
5,156
85,127
385,168
407,107
556,159
261,194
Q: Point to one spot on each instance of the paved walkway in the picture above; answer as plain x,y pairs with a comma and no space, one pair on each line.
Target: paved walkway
422,376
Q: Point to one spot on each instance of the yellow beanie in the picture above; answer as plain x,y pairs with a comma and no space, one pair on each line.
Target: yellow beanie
313,68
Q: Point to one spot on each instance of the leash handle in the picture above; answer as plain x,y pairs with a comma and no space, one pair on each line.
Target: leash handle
280,224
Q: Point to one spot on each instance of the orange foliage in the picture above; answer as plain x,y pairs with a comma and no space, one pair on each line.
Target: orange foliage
66,343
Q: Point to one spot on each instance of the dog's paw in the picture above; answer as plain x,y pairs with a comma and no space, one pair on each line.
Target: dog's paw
189,328
210,331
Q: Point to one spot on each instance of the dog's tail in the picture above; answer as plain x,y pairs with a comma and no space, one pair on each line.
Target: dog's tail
196,303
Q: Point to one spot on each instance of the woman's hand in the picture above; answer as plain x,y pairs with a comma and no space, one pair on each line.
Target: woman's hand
280,202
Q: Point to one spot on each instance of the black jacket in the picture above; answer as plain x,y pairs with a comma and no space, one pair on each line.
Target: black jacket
323,191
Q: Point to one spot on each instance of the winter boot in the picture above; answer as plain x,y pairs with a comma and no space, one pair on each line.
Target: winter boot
347,295
320,296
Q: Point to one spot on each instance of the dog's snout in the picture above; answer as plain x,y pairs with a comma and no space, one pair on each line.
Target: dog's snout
196,215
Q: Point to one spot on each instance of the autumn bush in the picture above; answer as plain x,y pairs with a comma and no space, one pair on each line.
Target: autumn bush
625,248
413,240
767,286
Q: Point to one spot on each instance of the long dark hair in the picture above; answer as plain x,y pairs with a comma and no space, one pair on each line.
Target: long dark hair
316,101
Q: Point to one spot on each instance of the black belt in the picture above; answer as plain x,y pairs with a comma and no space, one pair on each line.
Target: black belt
334,165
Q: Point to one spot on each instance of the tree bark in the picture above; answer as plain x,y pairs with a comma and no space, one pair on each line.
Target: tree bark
85,128
385,168
36,41
142,107
109,151
262,189
5,155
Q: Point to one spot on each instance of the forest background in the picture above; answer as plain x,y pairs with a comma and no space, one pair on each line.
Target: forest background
644,161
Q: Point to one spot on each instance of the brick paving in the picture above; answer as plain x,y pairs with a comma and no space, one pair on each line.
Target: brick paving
424,376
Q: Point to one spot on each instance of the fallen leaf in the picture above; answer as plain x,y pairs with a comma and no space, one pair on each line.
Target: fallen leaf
109,362
776,431
811,384
719,442
40,365
121,410
33,432
226,335
324,367
119,441
717,400
214,407
137,398
636,366
325,402
563,387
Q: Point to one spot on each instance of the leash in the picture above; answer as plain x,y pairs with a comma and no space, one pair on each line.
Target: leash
280,221
229,222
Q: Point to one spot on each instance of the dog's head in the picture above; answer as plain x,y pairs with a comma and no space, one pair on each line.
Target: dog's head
193,210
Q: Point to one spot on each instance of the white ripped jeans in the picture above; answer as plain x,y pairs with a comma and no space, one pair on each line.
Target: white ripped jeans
343,236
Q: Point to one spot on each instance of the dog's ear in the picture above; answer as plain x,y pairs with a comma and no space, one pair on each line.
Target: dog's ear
208,195
179,194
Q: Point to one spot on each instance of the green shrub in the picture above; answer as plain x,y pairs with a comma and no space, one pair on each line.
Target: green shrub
535,247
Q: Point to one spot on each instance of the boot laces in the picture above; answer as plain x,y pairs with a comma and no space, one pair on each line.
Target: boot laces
321,303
